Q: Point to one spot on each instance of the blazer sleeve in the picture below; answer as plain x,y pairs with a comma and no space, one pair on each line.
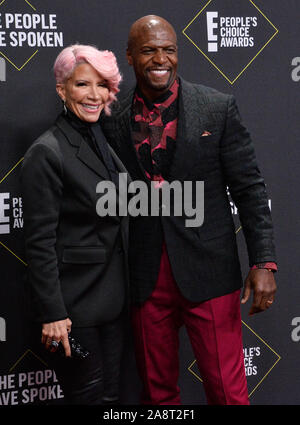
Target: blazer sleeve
42,187
247,187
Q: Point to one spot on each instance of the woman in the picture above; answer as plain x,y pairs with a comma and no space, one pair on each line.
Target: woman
77,259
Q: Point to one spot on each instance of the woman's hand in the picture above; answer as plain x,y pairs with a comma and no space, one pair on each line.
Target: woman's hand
57,331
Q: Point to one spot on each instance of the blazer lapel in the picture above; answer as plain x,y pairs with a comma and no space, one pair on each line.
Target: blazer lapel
190,127
84,152
127,127
119,164
91,160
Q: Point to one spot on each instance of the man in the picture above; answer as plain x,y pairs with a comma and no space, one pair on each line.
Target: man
165,130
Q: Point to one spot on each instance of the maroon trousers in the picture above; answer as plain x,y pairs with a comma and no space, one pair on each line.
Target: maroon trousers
214,329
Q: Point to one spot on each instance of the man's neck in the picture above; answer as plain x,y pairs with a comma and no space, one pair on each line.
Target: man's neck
155,97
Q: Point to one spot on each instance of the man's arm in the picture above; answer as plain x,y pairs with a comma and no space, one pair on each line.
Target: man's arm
248,192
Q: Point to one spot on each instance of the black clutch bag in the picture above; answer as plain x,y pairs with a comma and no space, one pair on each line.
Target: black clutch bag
77,350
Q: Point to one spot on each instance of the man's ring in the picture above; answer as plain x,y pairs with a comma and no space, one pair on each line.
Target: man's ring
54,344
270,301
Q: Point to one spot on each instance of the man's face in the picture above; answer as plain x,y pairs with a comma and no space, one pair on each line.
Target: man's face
153,55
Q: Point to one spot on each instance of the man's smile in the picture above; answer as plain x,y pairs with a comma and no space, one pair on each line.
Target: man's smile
158,72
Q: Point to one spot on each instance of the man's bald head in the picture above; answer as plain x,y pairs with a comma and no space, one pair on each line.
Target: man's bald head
149,23
152,51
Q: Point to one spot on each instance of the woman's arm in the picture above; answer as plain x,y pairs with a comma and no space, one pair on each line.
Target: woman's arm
42,187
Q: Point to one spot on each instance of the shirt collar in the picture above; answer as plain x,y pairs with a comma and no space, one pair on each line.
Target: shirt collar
160,100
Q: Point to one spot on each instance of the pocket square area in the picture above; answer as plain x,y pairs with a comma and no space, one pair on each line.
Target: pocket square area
205,133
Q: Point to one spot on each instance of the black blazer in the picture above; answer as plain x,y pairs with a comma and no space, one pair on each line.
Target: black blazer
205,259
77,259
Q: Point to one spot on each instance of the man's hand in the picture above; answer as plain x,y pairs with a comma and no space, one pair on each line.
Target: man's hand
263,284
57,331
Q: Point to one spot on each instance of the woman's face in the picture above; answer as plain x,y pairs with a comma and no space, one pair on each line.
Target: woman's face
85,93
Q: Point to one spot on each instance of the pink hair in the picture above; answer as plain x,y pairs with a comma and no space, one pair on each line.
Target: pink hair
103,61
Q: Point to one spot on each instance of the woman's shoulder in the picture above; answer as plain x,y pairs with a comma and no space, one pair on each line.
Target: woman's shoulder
46,141
45,148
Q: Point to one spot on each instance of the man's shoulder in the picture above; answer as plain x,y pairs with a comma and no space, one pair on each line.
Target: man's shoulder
196,92
205,94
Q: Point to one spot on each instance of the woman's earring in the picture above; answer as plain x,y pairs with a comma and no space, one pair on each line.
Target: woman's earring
65,108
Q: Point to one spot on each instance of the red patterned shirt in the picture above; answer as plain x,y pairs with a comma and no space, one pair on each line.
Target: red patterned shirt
154,132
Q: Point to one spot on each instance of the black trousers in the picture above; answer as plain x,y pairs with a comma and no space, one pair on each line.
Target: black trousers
94,380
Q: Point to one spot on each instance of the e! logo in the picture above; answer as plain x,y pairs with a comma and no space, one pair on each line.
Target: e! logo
211,25
2,70
4,220
2,329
